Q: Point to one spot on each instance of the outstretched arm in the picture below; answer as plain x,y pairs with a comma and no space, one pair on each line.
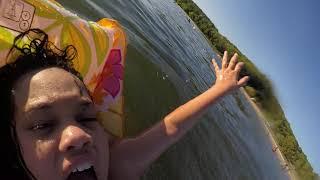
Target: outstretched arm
130,157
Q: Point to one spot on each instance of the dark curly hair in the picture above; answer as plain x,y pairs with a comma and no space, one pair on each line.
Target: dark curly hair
31,50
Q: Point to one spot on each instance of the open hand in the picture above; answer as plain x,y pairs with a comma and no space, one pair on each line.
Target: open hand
228,75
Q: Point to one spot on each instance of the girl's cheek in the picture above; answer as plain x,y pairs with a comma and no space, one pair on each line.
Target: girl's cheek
37,150
43,148
39,155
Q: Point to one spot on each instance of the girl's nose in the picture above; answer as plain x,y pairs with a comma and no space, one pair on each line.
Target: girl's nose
74,138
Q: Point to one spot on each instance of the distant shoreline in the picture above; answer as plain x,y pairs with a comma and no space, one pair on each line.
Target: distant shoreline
290,173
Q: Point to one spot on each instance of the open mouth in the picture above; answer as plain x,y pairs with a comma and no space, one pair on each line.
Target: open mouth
86,174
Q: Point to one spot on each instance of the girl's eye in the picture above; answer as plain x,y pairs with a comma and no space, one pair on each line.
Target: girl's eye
88,122
42,129
40,126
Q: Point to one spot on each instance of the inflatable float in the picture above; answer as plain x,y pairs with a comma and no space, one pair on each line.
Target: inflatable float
101,48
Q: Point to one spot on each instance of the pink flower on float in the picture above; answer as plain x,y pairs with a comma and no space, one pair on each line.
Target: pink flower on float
112,73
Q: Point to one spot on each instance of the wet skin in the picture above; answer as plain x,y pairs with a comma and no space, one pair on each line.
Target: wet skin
56,125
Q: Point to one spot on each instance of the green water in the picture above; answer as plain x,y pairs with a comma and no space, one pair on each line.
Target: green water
168,63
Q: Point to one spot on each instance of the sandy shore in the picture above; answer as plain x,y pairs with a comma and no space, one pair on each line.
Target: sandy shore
283,162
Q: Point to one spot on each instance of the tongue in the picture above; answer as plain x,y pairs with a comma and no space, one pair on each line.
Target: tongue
88,174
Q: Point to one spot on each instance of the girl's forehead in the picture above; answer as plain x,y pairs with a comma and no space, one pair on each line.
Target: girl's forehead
47,86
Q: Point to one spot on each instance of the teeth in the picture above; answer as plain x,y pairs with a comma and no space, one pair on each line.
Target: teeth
82,167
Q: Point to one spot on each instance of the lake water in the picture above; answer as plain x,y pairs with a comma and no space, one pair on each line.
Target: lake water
167,64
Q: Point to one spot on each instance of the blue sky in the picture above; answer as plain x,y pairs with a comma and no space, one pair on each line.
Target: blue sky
283,39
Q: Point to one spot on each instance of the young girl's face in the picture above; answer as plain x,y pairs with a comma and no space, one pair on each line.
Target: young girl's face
56,128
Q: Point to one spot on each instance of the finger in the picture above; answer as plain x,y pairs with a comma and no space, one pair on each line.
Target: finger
238,67
225,60
215,65
233,61
243,81
219,57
